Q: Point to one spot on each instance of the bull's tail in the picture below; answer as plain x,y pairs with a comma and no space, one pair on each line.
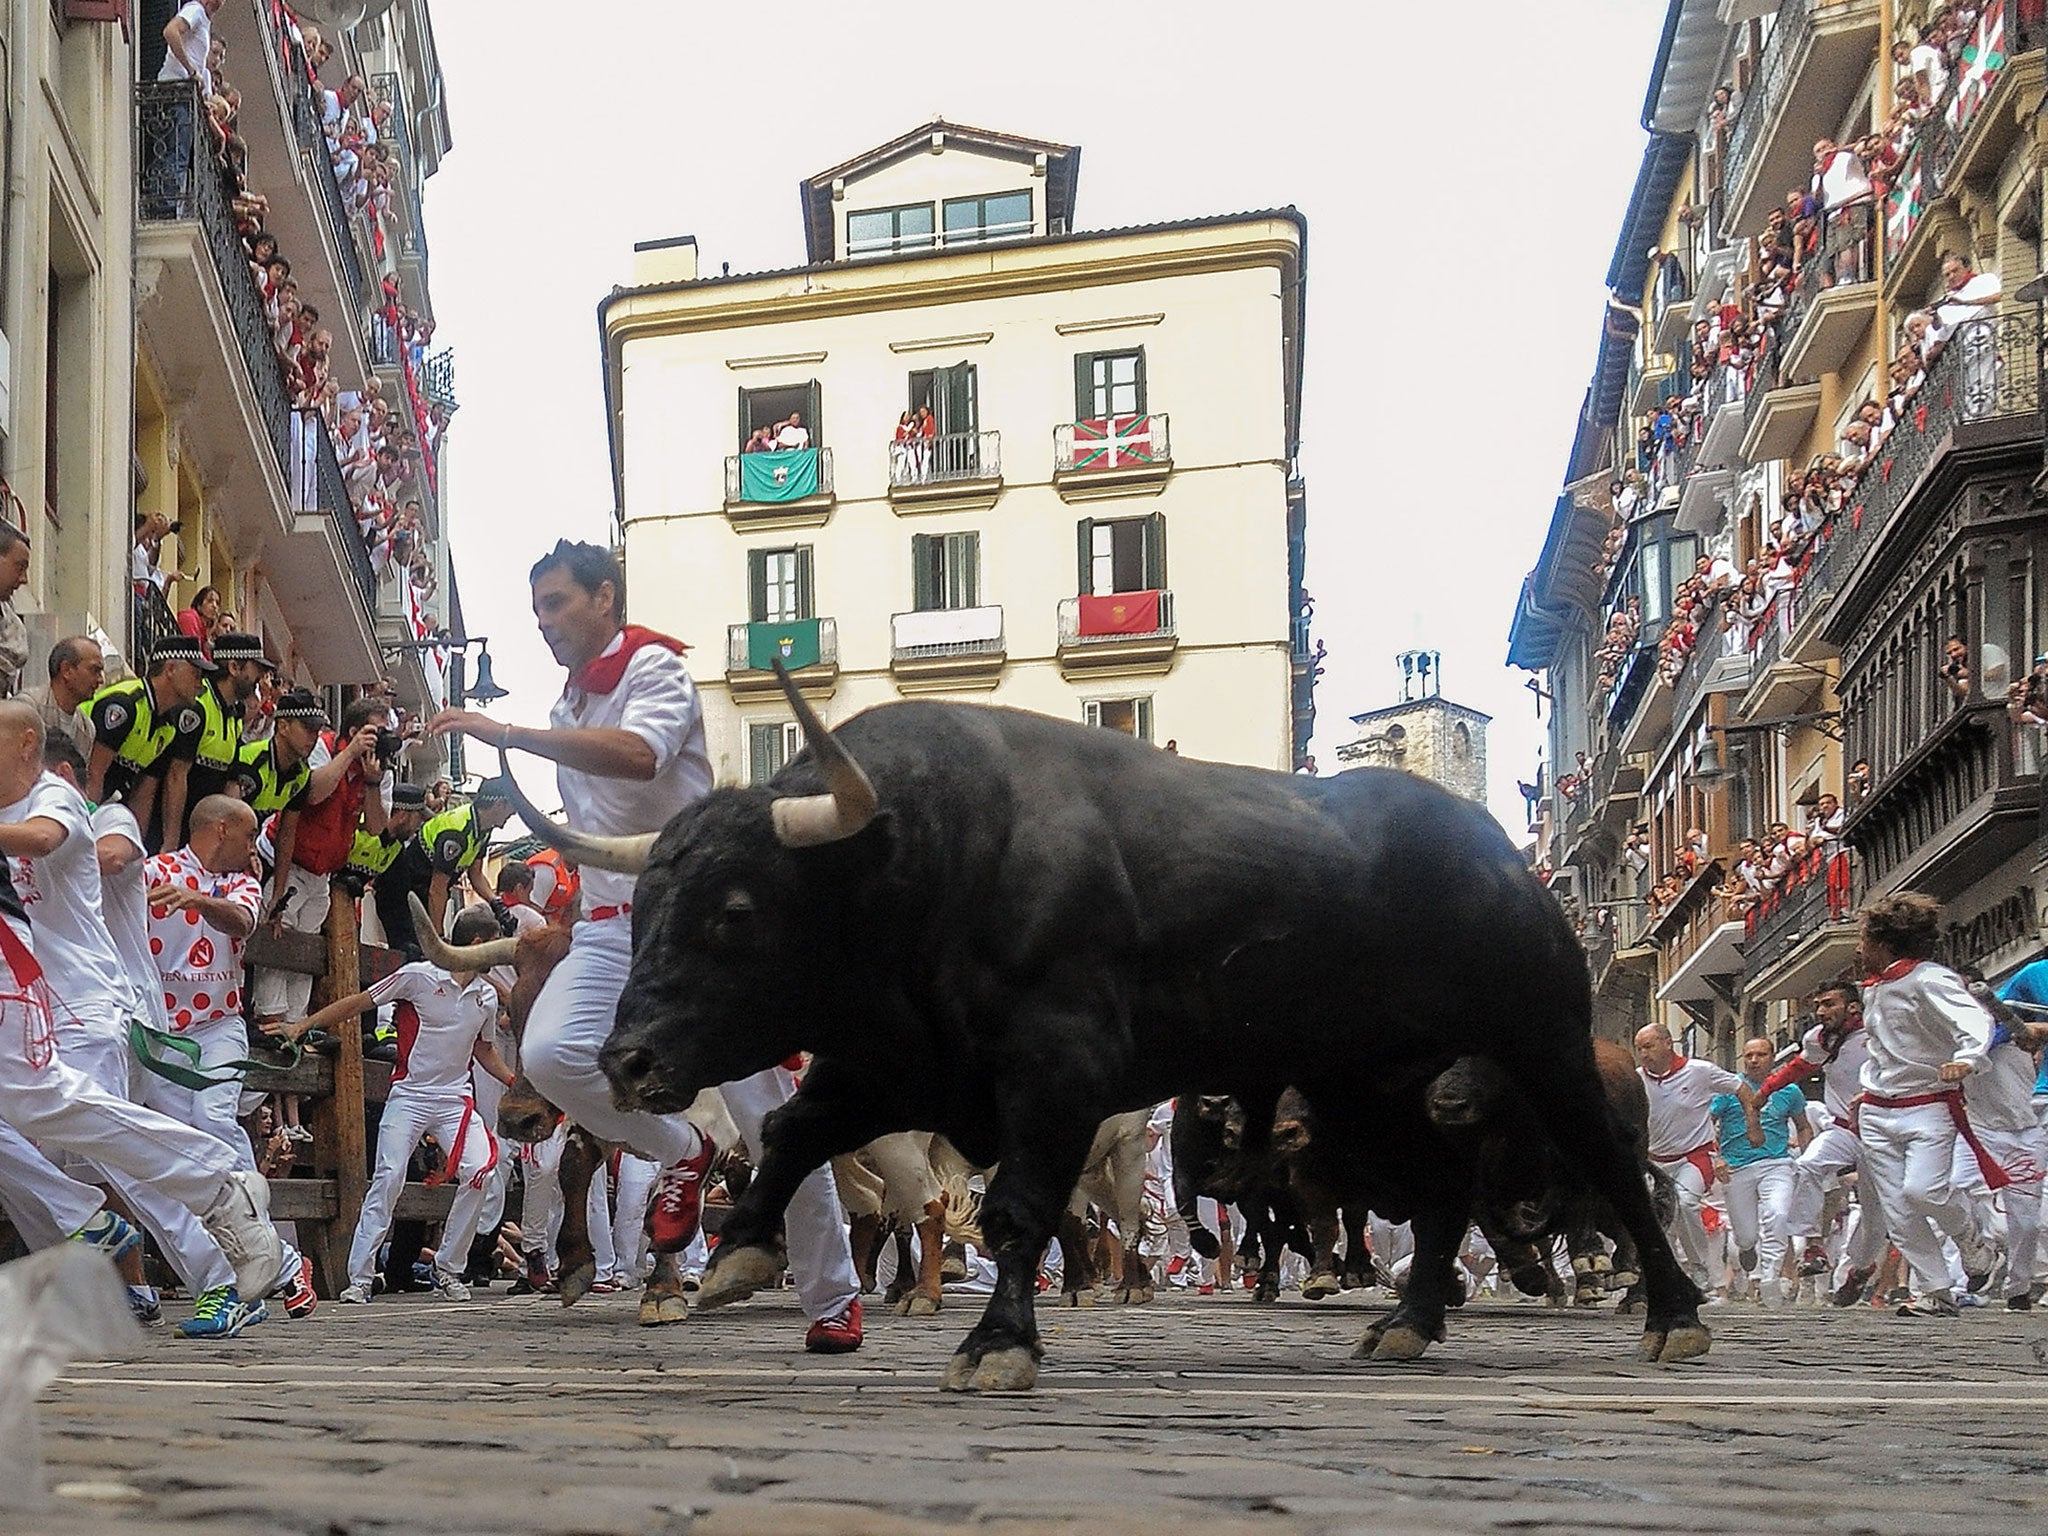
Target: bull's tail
1663,1194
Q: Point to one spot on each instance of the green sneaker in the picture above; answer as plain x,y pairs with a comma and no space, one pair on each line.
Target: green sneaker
221,1314
109,1234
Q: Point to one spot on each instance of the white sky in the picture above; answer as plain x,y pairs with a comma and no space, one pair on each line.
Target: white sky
1463,190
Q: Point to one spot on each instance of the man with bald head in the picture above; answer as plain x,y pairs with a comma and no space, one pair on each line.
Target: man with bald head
1681,1091
1762,1180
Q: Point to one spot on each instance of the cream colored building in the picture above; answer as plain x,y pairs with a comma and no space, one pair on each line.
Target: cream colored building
1106,524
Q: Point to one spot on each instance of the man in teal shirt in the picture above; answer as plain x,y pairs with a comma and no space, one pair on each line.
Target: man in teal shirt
1762,1181
2029,984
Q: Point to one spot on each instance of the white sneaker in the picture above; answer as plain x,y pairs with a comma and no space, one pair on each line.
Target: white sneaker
354,1296
448,1288
238,1221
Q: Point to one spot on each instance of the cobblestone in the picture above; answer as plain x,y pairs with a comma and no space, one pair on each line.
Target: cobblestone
510,1415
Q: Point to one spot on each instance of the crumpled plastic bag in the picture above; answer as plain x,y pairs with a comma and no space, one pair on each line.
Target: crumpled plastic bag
58,1306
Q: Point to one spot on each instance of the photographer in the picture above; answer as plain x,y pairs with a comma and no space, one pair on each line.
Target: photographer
2026,701
1955,667
312,844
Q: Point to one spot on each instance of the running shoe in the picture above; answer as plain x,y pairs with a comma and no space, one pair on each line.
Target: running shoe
297,1290
1933,1304
2020,1303
354,1296
679,1199
221,1314
109,1234
144,1306
836,1335
448,1288
239,1223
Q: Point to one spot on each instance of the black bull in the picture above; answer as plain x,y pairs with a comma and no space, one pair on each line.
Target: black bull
1004,928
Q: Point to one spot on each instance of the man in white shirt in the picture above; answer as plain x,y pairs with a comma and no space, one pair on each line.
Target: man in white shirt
188,41
1681,1091
1926,1035
627,737
2000,1100
794,434
446,1021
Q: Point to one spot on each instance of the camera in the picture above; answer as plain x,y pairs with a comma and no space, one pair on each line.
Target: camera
389,745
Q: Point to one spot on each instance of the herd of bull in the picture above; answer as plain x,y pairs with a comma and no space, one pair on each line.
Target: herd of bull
999,938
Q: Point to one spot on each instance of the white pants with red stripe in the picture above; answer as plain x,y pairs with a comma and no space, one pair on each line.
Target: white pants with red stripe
1908,1159
1688,1230
570,1022
45,1204
408,1116
540,1210
1759,1203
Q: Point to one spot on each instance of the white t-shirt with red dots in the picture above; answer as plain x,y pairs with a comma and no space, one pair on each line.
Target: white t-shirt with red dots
201,965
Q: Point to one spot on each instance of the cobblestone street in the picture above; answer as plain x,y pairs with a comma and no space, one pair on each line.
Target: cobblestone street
510,1415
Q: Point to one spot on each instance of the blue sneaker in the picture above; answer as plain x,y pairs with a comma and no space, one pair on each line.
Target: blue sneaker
109,1234
143,1303
221,1314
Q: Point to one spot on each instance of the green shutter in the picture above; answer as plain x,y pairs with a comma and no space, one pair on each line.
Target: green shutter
1084,385
1155,550
921,572
963,570
1141,381
806,596
1141,712
745,425
1085,536
814,414
757,585
759,739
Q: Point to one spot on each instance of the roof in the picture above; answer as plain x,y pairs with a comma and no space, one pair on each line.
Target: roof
1665,160
1062,170
1688,60
1409,706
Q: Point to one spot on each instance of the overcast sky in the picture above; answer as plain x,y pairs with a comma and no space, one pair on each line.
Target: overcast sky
1463,195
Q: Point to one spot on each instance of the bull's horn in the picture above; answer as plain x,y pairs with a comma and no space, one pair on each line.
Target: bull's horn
804,821
470,957
623,855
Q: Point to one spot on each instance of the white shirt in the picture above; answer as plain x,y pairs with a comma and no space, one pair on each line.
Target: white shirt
1680,1117
439,1026
1926,59
2001,1097
657,702
1915,1023
1972,301
1841,1079
199,45
1843,180
61,891
793,437
524,920
125,904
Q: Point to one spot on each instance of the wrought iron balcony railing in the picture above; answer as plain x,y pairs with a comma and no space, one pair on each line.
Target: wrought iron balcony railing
1816,891
312,140
2005,29
1768,91
947,632
1108,443
317,486
1071,621
748,647
151,622
950,456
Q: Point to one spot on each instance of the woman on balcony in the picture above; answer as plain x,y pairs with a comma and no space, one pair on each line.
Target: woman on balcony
198,622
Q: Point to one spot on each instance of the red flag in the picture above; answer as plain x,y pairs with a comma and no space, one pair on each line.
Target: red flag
1120,613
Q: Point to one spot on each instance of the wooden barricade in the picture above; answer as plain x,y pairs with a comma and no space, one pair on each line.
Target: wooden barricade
335,1088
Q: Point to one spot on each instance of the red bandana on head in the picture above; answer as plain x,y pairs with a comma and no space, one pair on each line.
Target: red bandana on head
602,674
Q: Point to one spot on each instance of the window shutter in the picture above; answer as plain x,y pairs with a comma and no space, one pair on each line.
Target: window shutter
1091,713
814,417
963,570
1141,381
761,740
1085,532
921,561
1084,385
1155,550
806,597
1141,718
757,585
746,424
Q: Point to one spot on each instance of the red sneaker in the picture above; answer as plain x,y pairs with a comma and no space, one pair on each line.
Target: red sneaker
299,1298
838,1335
679,1200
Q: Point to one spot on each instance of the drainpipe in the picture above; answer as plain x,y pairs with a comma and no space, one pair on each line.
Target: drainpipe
14,245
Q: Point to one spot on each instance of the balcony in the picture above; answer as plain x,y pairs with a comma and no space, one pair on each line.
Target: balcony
1111,456
943,650
809,648
1836,296
1721,437
1670,307
1119,634
1651,382
1702,949
789,488
1638,706
1715,666
324,582
402,619
1779,683
1813,64
954,472
1700,504
1803,933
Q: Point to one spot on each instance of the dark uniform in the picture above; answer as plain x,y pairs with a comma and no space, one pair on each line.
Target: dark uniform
144,740
213,750
446,845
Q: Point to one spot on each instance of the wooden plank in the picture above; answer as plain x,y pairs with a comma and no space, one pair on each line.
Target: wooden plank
303,954
309,1200
312,1078
416,1202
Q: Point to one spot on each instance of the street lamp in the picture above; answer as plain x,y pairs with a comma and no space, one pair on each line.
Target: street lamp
1709,774
484,690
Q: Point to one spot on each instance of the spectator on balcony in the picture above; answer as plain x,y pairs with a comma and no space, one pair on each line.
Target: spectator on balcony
793,435
1955,666
2026,701
1824,825
902,451
1635,853
1923,65
145,566
759,442
14,555
188,43
1840,178
197,621
1967,294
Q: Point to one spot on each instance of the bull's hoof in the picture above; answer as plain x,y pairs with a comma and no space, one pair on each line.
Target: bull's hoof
1134,1295
1267,1290
1000,1370
1590,1293
1401,1342
1624,1280
1688,1341
1321,1284
660,1308
572,1285
894,1296
1630,1305
1602,1265
1530,1280
1557,1298
1077,1298
735,1274
917,1304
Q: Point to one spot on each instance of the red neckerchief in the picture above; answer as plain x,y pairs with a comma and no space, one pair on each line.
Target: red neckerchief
1677,1065
602,673
1892,972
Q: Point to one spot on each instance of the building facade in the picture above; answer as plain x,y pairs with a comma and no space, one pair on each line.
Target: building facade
142,361
1005,459
1424,734
1796,568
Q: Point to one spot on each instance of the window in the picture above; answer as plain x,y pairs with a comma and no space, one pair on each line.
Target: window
1109,384
949,394
1131,716
779,585
1002,217
878,231
772,407
945,571
1126,555
769,747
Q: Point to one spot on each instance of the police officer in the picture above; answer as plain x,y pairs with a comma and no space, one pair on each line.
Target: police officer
449,846
275,774
369,859
136,721
206,763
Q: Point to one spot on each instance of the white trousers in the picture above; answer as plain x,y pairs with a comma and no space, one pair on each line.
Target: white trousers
630,1200
45,1204
449,1119
286,994
1908,1155
1688,1230
1759,1207
487,1091
540,1212
570,1022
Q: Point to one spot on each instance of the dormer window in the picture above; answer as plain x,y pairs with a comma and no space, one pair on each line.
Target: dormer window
1004,216
882,231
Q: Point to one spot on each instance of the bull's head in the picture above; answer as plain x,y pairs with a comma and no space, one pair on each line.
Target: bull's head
727,919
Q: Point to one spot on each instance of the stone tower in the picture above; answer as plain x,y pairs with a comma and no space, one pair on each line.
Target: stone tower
1425,733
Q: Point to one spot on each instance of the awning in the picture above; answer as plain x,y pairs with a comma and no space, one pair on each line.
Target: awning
1719,955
